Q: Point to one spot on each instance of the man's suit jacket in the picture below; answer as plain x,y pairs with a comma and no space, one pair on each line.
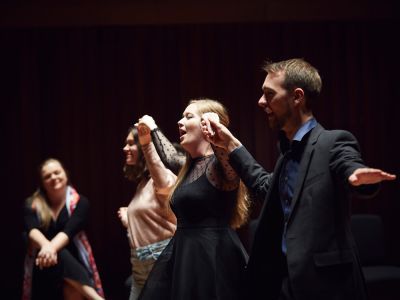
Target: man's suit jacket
321,260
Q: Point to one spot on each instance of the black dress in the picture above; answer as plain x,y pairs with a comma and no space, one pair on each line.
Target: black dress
47,283
205,258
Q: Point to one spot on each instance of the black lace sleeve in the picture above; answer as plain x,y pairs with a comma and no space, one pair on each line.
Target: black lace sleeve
170,156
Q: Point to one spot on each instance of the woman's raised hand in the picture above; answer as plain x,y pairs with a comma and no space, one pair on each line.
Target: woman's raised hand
144,125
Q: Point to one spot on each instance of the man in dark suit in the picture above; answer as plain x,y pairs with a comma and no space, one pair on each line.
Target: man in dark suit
303,248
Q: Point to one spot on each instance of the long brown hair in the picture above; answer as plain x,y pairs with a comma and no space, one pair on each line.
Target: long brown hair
139,170
241,211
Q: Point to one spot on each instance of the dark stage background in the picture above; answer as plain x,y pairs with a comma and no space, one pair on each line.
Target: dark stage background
71,92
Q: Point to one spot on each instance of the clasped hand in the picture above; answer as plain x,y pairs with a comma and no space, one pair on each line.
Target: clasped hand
46,257
144,126
216,133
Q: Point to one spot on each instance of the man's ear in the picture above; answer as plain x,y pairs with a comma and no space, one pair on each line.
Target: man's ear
298,96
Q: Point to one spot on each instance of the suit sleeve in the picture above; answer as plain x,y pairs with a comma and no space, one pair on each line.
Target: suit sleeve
255,177
345,158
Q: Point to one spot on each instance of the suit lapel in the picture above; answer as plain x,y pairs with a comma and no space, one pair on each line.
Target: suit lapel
304,165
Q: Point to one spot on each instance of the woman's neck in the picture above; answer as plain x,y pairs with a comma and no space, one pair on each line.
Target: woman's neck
203,150
57,197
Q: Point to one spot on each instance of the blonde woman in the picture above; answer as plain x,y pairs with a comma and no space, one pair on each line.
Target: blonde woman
205,258
59,263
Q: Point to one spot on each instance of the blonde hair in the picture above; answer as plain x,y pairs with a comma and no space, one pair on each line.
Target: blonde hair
38,201
241,209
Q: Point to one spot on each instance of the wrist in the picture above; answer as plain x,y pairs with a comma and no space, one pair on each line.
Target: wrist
144,140
144,134
232,145
145,143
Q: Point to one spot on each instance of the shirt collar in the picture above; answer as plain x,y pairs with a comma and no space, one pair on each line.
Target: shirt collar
304,129
285,144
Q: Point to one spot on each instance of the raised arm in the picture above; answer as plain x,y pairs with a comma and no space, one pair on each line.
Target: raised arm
172,159
254,176
218,135
230,179
162,177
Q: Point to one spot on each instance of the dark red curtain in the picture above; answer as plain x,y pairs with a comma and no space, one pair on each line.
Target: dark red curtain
72,93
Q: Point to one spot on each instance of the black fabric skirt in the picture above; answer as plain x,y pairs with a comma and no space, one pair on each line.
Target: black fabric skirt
48,283
199,263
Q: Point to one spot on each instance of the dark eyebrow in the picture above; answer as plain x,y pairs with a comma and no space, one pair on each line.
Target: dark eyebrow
265,88
268,90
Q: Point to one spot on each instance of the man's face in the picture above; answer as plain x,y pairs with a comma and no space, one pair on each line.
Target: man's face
276,101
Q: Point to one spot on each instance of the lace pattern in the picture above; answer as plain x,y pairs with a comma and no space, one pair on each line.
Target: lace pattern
171,158
214,172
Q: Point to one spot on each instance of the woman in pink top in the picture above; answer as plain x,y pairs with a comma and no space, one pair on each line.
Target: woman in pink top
148,218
